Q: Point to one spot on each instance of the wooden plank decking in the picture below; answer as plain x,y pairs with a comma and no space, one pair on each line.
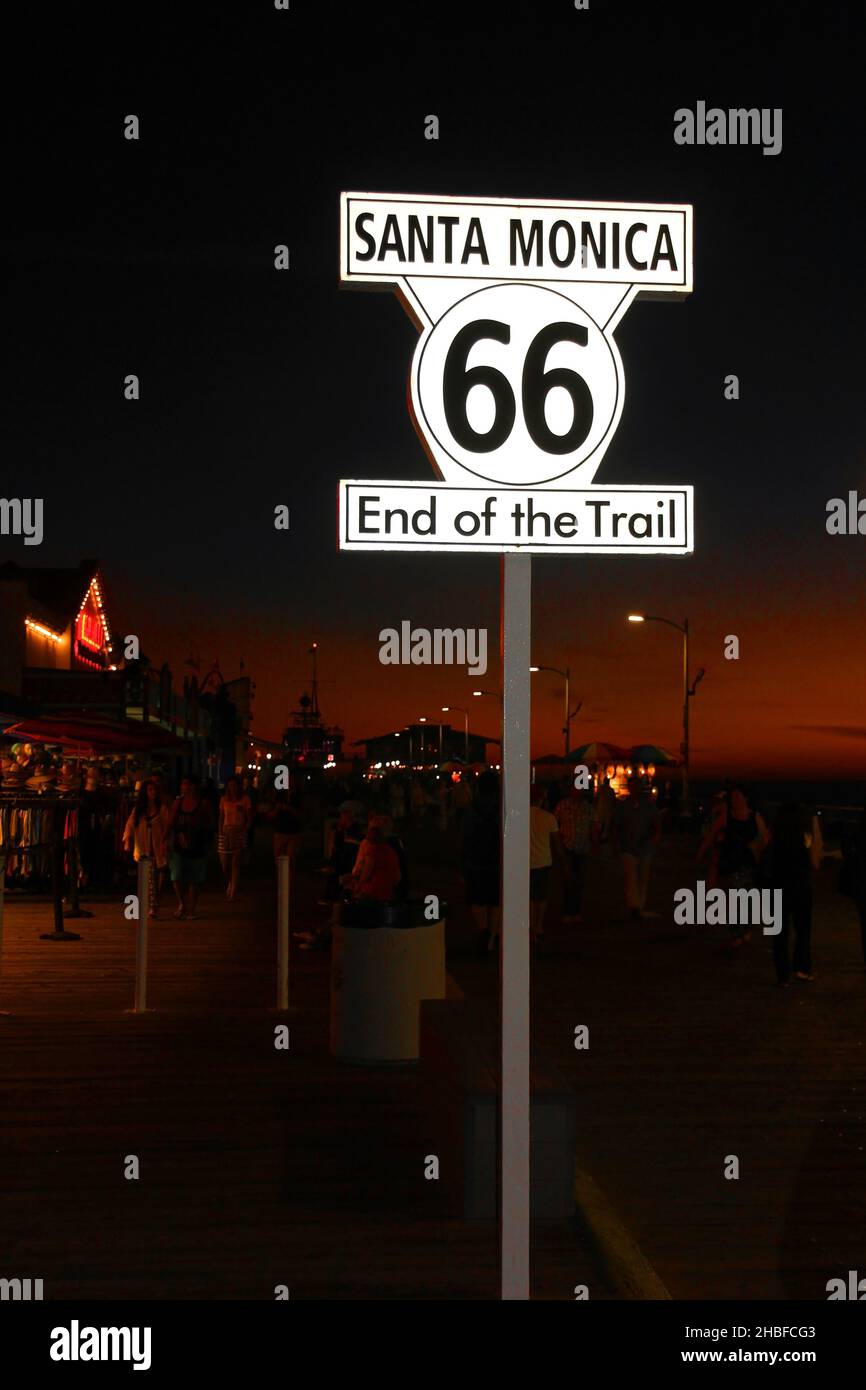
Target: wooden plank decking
258,1167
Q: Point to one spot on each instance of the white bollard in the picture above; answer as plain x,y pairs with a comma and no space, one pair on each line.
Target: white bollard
140,1005
283,932
2,904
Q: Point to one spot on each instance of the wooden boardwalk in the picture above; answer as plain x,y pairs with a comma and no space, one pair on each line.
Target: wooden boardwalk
258,1167
695,1055
261,1167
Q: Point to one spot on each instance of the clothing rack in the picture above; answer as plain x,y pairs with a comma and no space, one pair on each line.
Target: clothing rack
59,807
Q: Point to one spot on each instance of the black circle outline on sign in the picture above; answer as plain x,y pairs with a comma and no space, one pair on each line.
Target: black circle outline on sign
485,477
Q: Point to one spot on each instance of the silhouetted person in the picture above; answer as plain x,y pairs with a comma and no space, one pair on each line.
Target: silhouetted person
743,839
574,816
854,874
479,859
190,829
788,866
635,832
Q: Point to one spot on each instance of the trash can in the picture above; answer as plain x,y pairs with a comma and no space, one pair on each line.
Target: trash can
386,958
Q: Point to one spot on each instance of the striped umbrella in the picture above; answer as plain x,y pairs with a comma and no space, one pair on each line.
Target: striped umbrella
652,753
590,753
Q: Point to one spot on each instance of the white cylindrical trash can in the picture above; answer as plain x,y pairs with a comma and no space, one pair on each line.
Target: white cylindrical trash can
379,975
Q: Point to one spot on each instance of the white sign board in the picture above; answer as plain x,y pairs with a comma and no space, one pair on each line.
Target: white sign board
386,237
516,390
517,384
586,521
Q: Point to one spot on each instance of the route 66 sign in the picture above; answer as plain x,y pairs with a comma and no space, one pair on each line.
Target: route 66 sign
516,385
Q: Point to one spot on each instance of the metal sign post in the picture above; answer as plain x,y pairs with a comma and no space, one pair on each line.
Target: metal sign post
516,623
516,390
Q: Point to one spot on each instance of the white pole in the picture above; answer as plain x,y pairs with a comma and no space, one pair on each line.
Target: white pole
283,931
516,629
2,906
140,1006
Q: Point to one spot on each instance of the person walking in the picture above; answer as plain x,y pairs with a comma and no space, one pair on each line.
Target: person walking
855,872
635,832
743,837
190,828
544,845
146,836
235,814
605,810
794,852
345,845
479,859
284,816
249,790
711,843
574,817
377,873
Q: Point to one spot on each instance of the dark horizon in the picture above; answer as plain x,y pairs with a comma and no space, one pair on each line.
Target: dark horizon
261,386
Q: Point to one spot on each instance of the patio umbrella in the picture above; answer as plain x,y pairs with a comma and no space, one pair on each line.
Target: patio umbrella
94,735
652,753
599,753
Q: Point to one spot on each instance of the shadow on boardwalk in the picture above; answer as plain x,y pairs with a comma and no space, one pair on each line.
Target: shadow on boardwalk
695,1055
261,1167
258,1167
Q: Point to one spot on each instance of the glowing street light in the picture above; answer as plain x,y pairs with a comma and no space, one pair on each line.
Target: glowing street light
688,693
569,712
461,710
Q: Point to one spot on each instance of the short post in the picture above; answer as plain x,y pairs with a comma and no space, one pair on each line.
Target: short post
283,884
140,1005
57,842
2,905
74,909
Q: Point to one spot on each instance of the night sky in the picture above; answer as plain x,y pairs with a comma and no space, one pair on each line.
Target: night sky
259,387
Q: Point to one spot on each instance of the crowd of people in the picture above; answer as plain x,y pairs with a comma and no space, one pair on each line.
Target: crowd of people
176,834
366,862
567,823
739,849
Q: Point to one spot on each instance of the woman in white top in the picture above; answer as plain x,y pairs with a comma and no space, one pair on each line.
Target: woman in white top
235,819
146,835
545,845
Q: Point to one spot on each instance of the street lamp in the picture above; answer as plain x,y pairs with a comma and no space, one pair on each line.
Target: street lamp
688,693
446,709
569,712
422,719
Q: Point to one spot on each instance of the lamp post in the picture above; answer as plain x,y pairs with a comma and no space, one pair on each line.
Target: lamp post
688,694
446,709
569,712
